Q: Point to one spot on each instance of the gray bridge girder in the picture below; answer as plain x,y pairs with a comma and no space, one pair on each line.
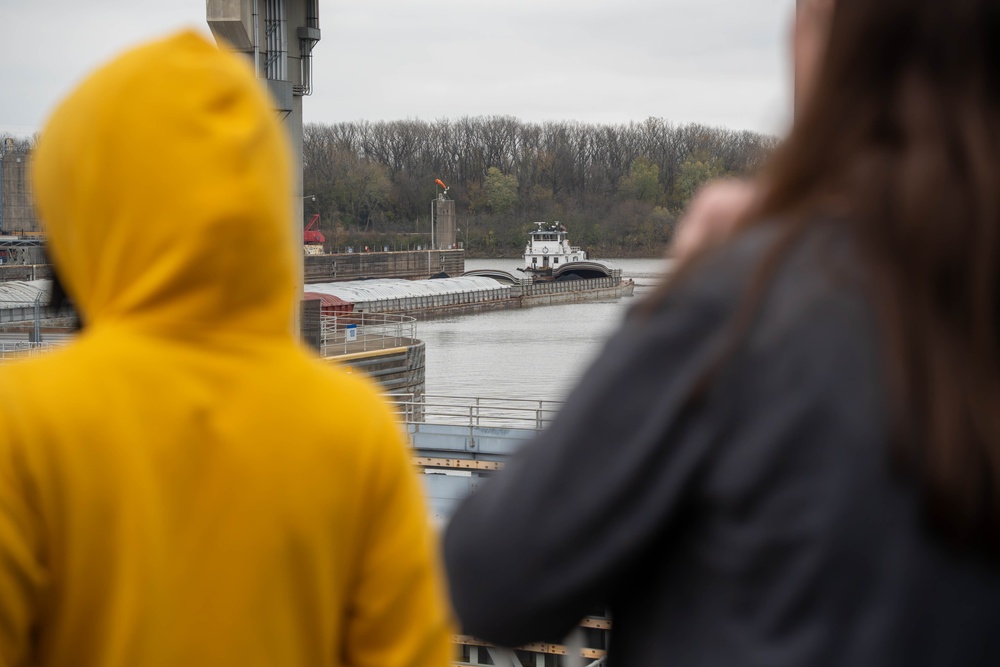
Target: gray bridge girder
446,488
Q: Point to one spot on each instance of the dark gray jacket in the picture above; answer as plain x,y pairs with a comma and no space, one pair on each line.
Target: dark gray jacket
760,526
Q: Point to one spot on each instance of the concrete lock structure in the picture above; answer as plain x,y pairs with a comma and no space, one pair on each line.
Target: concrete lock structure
279,37
17,211
445,224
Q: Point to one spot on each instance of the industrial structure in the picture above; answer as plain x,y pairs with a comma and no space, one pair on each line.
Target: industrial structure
21,241
458,443
278,36
17,210
444,222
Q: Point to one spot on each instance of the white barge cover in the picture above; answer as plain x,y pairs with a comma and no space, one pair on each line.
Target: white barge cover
18,294
384,289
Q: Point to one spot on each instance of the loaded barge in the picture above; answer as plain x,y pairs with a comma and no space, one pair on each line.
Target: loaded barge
553,272
420,283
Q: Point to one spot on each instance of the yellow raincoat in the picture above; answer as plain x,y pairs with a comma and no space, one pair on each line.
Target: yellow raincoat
184,485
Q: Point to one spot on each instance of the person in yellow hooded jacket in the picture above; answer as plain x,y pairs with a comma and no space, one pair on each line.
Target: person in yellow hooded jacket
184,484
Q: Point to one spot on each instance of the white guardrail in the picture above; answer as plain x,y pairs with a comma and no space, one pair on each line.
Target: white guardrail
10,350
362,332
475,412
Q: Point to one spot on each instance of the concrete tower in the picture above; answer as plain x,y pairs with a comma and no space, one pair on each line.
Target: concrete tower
445,223
17,211
279,36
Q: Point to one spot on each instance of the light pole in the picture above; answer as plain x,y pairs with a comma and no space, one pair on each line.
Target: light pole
311,198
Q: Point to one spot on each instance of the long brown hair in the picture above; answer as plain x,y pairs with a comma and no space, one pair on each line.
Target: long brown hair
902,130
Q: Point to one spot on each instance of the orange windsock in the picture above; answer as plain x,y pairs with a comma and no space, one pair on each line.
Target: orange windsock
441,183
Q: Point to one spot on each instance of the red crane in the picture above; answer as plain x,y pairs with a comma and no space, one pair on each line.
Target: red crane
312,235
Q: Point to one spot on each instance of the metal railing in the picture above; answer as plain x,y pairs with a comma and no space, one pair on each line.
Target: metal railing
349,333
587,645
428,301
11,350
561,287
476,412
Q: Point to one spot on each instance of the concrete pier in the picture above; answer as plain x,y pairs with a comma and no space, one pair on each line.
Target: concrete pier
399,370
403,264
25,272
325,268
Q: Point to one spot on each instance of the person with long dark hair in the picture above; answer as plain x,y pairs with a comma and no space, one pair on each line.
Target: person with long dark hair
790,455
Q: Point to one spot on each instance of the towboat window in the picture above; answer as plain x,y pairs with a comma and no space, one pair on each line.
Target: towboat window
555,260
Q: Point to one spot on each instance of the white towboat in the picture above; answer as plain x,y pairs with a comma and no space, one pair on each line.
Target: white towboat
549,249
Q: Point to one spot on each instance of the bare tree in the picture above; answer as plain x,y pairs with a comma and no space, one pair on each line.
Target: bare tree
582,171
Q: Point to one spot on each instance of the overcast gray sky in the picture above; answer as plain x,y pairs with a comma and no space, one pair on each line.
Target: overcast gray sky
719,62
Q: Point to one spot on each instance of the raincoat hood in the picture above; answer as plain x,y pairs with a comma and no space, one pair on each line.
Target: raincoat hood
164,184
185,483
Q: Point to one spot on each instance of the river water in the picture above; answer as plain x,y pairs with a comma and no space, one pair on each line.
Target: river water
536,353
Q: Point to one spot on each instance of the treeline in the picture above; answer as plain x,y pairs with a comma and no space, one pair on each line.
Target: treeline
15,144
619,189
